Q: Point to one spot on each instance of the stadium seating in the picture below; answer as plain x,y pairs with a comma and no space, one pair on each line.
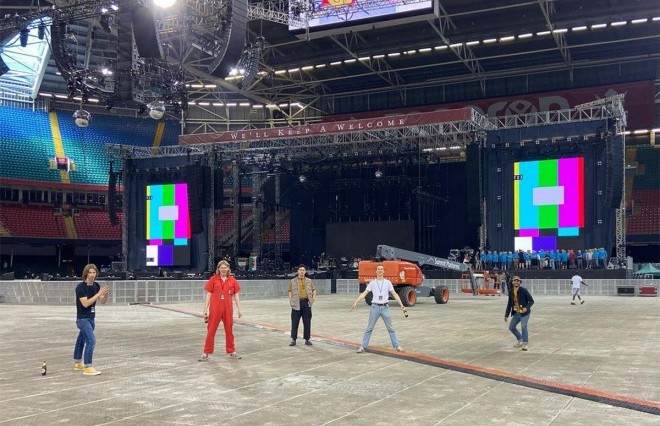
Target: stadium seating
95,224
41,222
646,193
26,145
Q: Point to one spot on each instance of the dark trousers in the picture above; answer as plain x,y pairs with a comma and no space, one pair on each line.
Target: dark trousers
306,313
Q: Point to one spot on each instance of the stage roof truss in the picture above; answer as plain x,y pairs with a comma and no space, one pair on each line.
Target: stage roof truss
610,107
433,139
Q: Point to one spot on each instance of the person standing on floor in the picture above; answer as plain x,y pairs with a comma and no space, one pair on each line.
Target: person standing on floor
221,290
577,282
519,307
380,288
302,293
88,293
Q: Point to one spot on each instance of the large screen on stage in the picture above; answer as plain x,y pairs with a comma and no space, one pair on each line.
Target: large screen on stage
168,225
548,202
321,14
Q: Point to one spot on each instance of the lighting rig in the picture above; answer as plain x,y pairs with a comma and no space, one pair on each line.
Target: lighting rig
154,84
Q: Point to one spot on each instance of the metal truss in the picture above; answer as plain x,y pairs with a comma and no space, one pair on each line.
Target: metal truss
76,10
548,9
436,139
602,109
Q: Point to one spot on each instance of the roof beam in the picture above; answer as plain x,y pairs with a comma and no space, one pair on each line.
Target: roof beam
464,53
548,9
386,72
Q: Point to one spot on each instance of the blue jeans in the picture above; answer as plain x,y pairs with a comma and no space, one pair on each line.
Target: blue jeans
86,340
379,311
523,320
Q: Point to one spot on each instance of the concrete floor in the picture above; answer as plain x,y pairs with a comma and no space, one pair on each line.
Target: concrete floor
459,367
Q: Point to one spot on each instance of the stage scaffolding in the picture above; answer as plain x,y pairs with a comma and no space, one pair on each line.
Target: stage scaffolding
434,142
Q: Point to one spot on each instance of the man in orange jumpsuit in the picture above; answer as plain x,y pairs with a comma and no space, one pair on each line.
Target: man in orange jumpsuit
221,289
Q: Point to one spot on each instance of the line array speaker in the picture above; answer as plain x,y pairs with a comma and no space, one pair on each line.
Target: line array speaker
614,171
472,167
145,33
193,176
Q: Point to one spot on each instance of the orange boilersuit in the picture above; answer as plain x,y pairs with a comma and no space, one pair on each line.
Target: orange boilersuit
221,309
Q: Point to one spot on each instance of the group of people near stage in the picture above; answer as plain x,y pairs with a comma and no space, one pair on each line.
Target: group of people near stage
222,293
594,258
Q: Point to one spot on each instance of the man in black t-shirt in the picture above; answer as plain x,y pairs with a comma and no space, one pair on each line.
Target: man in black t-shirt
88,293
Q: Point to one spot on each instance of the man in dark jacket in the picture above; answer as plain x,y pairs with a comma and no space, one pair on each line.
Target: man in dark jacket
519,307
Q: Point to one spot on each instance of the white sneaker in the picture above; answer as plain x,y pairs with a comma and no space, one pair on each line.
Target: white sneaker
360,350
524,347
518,345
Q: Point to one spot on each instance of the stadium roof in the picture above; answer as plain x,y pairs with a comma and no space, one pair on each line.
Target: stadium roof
469,49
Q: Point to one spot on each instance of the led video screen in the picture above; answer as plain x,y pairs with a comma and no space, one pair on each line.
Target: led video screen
548,198
168,225
332,13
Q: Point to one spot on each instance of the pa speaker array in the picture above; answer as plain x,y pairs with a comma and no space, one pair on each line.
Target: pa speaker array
614,171
231,49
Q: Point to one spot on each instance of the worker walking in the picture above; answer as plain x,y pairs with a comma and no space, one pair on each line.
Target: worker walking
380,288
577,282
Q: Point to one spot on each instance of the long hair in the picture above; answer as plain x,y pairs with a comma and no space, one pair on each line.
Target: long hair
86,270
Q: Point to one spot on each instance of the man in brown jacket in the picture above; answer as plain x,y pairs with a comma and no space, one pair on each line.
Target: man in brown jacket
301,298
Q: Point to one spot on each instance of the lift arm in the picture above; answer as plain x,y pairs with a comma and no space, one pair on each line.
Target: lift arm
391,253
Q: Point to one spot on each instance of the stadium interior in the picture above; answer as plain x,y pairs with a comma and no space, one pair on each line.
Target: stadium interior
100,122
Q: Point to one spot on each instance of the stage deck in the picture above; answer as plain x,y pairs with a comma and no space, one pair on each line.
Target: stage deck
595,364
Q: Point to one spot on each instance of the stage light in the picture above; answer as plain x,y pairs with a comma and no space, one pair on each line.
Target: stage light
82,118
164,3
156,109
23,37
378,174
302,178
142,109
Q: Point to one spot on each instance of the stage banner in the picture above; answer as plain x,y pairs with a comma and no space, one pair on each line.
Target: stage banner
376,123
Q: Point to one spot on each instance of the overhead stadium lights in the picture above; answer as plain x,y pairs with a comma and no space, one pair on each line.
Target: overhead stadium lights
82,118
164,3
156,109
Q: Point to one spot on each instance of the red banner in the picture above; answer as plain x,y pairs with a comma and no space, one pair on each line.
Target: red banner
639,102
387,122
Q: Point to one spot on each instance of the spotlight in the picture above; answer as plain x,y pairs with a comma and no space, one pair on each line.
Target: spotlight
82,118
164,3
302,178
156,109
378,174
23,37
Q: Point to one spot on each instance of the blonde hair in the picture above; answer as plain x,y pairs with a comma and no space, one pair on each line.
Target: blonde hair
222,262
86,270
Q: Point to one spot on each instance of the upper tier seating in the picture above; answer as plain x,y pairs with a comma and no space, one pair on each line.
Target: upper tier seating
648,168
26,145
